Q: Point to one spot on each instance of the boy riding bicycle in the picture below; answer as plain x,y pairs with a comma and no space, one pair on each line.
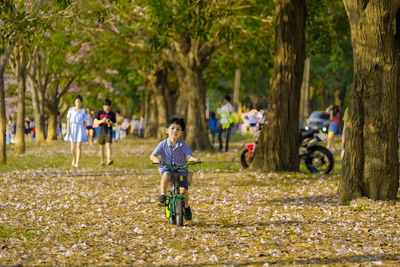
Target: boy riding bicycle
175,152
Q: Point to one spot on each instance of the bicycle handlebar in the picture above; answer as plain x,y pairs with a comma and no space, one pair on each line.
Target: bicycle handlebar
177,167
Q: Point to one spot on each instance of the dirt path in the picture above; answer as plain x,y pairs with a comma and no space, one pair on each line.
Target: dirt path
108,216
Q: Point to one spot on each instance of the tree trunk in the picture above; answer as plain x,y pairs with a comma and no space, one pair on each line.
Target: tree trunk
52,126
305,93
52,106
192,57
151,131
162,97
52,102
20,58
236,90
371,164
278,145
38,110
3,120
196,126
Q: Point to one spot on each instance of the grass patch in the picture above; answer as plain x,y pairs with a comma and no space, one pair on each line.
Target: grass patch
7,232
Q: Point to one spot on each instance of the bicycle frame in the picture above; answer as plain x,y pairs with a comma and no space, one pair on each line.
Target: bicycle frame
251,148
174,196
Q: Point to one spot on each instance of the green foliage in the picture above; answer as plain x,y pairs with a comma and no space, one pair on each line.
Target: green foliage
327,25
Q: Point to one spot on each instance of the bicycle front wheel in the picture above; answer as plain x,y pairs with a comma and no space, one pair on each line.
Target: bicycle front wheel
179,212
244,158
171,211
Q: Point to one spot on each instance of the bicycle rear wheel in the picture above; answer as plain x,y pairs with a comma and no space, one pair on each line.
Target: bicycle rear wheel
244,158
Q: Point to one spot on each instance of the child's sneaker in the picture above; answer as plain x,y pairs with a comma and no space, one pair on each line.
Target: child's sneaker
162,199
188,214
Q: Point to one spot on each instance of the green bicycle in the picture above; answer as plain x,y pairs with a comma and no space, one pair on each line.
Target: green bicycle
174,204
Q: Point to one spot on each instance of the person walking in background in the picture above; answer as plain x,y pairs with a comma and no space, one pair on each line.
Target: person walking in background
105,120
213,125
124,128
117,129
225,114
76,129
141,127
27,124
8,130
135,126
89,125
344,133
59,130
334,114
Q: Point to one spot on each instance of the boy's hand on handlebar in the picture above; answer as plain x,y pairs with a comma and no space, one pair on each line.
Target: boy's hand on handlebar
156,161
194,160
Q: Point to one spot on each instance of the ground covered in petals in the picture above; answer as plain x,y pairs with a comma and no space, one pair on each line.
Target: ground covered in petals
54,214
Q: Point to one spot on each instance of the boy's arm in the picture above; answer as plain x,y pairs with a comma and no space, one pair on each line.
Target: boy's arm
154,159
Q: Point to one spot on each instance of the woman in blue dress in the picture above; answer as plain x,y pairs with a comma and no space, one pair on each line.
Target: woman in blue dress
76,129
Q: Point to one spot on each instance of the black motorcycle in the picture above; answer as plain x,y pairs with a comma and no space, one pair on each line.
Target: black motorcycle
318,159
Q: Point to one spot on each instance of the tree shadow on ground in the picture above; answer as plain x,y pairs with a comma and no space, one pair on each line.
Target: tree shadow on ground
393,258
319,200
280,223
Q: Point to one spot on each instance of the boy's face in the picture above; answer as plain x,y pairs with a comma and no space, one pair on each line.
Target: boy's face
174,131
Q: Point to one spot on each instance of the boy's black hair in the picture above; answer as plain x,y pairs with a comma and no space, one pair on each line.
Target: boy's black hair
175,120
78,97
107,102
228,98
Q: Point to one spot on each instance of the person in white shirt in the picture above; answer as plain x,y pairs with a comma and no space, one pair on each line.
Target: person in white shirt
224,122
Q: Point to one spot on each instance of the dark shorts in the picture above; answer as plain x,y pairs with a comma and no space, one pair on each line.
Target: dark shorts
333,128
183,184
102,139
89,127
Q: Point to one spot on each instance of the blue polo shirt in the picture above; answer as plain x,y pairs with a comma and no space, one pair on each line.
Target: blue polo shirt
173,155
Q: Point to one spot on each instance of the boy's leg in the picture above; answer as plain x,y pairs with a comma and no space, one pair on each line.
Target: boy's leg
164,183
188,211
163,188
185,194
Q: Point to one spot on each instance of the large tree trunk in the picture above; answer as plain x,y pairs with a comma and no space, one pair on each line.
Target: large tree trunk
52,106
38,110
151,131
52,102
20,58
192,57
38,85
371,164
3,120
278,145
162,97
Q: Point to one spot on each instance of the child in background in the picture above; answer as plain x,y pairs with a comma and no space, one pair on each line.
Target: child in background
213,126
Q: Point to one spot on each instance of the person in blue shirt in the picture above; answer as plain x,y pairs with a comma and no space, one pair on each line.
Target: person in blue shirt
213,126
175,152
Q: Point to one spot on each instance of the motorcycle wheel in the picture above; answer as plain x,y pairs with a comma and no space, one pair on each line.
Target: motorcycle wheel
244,158
319,160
